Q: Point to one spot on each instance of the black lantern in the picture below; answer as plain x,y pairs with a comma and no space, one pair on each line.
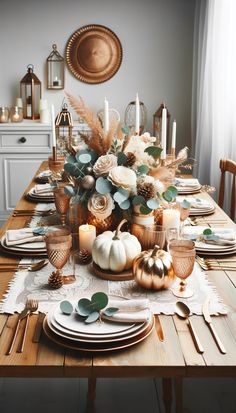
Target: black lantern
30,92
157,118
64,127
55,69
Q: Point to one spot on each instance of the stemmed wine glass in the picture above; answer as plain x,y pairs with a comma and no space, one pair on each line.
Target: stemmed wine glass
58,245
183,257
184,209
62,202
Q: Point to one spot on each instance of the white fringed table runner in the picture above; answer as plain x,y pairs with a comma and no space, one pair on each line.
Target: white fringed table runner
34,285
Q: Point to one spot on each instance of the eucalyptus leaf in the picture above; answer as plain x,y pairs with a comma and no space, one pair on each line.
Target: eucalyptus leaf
103,186
39,231
145,210
71,159
125,129
207,231
143,169
154,151
84,307
167,196
110,311
121,158
152,203
125,205
69,190
138,199
94,316
66,307
173,190
99,300
185,204
85,158
121,195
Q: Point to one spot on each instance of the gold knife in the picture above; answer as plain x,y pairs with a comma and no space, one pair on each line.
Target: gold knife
159,329
207,317
38,328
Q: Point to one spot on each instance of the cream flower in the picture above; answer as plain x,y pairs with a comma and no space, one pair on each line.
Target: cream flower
101,206
104,164
122,177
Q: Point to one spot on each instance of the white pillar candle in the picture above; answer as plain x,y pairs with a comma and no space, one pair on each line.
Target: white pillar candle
43,104
163,133
19,103
106,116
171,218
87,235
45,116
173,140
137,114
53,126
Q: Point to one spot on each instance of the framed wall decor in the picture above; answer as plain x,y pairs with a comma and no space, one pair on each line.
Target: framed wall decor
94,54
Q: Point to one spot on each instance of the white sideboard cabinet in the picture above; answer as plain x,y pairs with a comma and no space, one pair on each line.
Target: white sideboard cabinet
23,146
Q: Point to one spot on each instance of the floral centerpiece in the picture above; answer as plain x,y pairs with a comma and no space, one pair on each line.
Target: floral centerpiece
117,172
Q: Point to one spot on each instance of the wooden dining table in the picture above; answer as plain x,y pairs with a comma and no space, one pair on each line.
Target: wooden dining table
173,359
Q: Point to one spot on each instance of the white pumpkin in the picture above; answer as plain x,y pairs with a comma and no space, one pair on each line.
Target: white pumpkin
116,250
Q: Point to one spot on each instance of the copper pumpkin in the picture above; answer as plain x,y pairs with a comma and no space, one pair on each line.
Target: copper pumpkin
153,269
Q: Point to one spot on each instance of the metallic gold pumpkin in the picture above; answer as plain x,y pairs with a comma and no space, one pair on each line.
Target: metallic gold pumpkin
154,269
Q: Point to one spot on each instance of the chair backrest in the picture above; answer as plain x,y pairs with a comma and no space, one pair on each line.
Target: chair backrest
227,165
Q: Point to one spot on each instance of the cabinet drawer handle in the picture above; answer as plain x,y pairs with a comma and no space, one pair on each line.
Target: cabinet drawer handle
22,140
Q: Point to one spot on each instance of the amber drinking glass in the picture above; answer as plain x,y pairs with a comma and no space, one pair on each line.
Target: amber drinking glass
154,235
58,244
183,257
62,202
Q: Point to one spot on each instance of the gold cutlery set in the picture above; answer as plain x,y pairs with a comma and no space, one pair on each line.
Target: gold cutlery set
32,213
4,267
216,264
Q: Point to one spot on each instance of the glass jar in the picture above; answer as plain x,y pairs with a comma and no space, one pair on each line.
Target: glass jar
4,114
16,114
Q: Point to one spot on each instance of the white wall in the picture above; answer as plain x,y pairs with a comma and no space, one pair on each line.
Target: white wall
157,40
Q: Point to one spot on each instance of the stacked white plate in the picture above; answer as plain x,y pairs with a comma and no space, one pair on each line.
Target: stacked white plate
28,249
40,197
187,186
72,332
198,206
207,248
43,177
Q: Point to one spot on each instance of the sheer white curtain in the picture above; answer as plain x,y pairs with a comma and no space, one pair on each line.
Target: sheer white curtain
214,87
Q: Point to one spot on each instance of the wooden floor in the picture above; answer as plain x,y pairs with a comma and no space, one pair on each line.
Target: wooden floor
113,396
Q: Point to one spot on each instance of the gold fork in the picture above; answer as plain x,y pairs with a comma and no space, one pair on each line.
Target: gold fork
32,306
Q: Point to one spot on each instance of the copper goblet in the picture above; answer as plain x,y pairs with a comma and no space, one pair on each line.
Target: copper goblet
62,202
184,214
183,257
58,244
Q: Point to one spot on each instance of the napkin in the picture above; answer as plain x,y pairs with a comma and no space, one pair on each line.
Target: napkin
185,182
43,189
130,311
196,203
21,236
226,235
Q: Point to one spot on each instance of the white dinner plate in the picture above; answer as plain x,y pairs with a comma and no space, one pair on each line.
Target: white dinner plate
103,338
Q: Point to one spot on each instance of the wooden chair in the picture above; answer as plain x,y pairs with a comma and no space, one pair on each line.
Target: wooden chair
227,165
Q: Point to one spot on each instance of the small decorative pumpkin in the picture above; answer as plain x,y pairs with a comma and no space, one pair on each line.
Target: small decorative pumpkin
153,269
116,250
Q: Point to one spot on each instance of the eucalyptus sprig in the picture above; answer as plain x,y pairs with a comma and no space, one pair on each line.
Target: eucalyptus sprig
90,309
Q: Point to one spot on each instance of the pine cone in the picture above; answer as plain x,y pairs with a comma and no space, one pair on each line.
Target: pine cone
84,257
131,158
55,280
147,190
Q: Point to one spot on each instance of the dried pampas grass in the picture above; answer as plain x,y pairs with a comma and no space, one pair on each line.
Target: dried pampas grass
99,141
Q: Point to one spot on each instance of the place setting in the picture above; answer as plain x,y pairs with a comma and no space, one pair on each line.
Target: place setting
41,193
198,206
187,185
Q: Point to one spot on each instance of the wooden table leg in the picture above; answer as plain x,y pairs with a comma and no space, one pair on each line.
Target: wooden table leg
91,396
179,394
167,393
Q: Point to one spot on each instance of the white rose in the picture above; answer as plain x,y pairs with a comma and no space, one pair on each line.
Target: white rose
104,164
101,206
122,177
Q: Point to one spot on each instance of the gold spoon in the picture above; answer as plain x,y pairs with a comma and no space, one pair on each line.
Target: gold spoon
183,311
